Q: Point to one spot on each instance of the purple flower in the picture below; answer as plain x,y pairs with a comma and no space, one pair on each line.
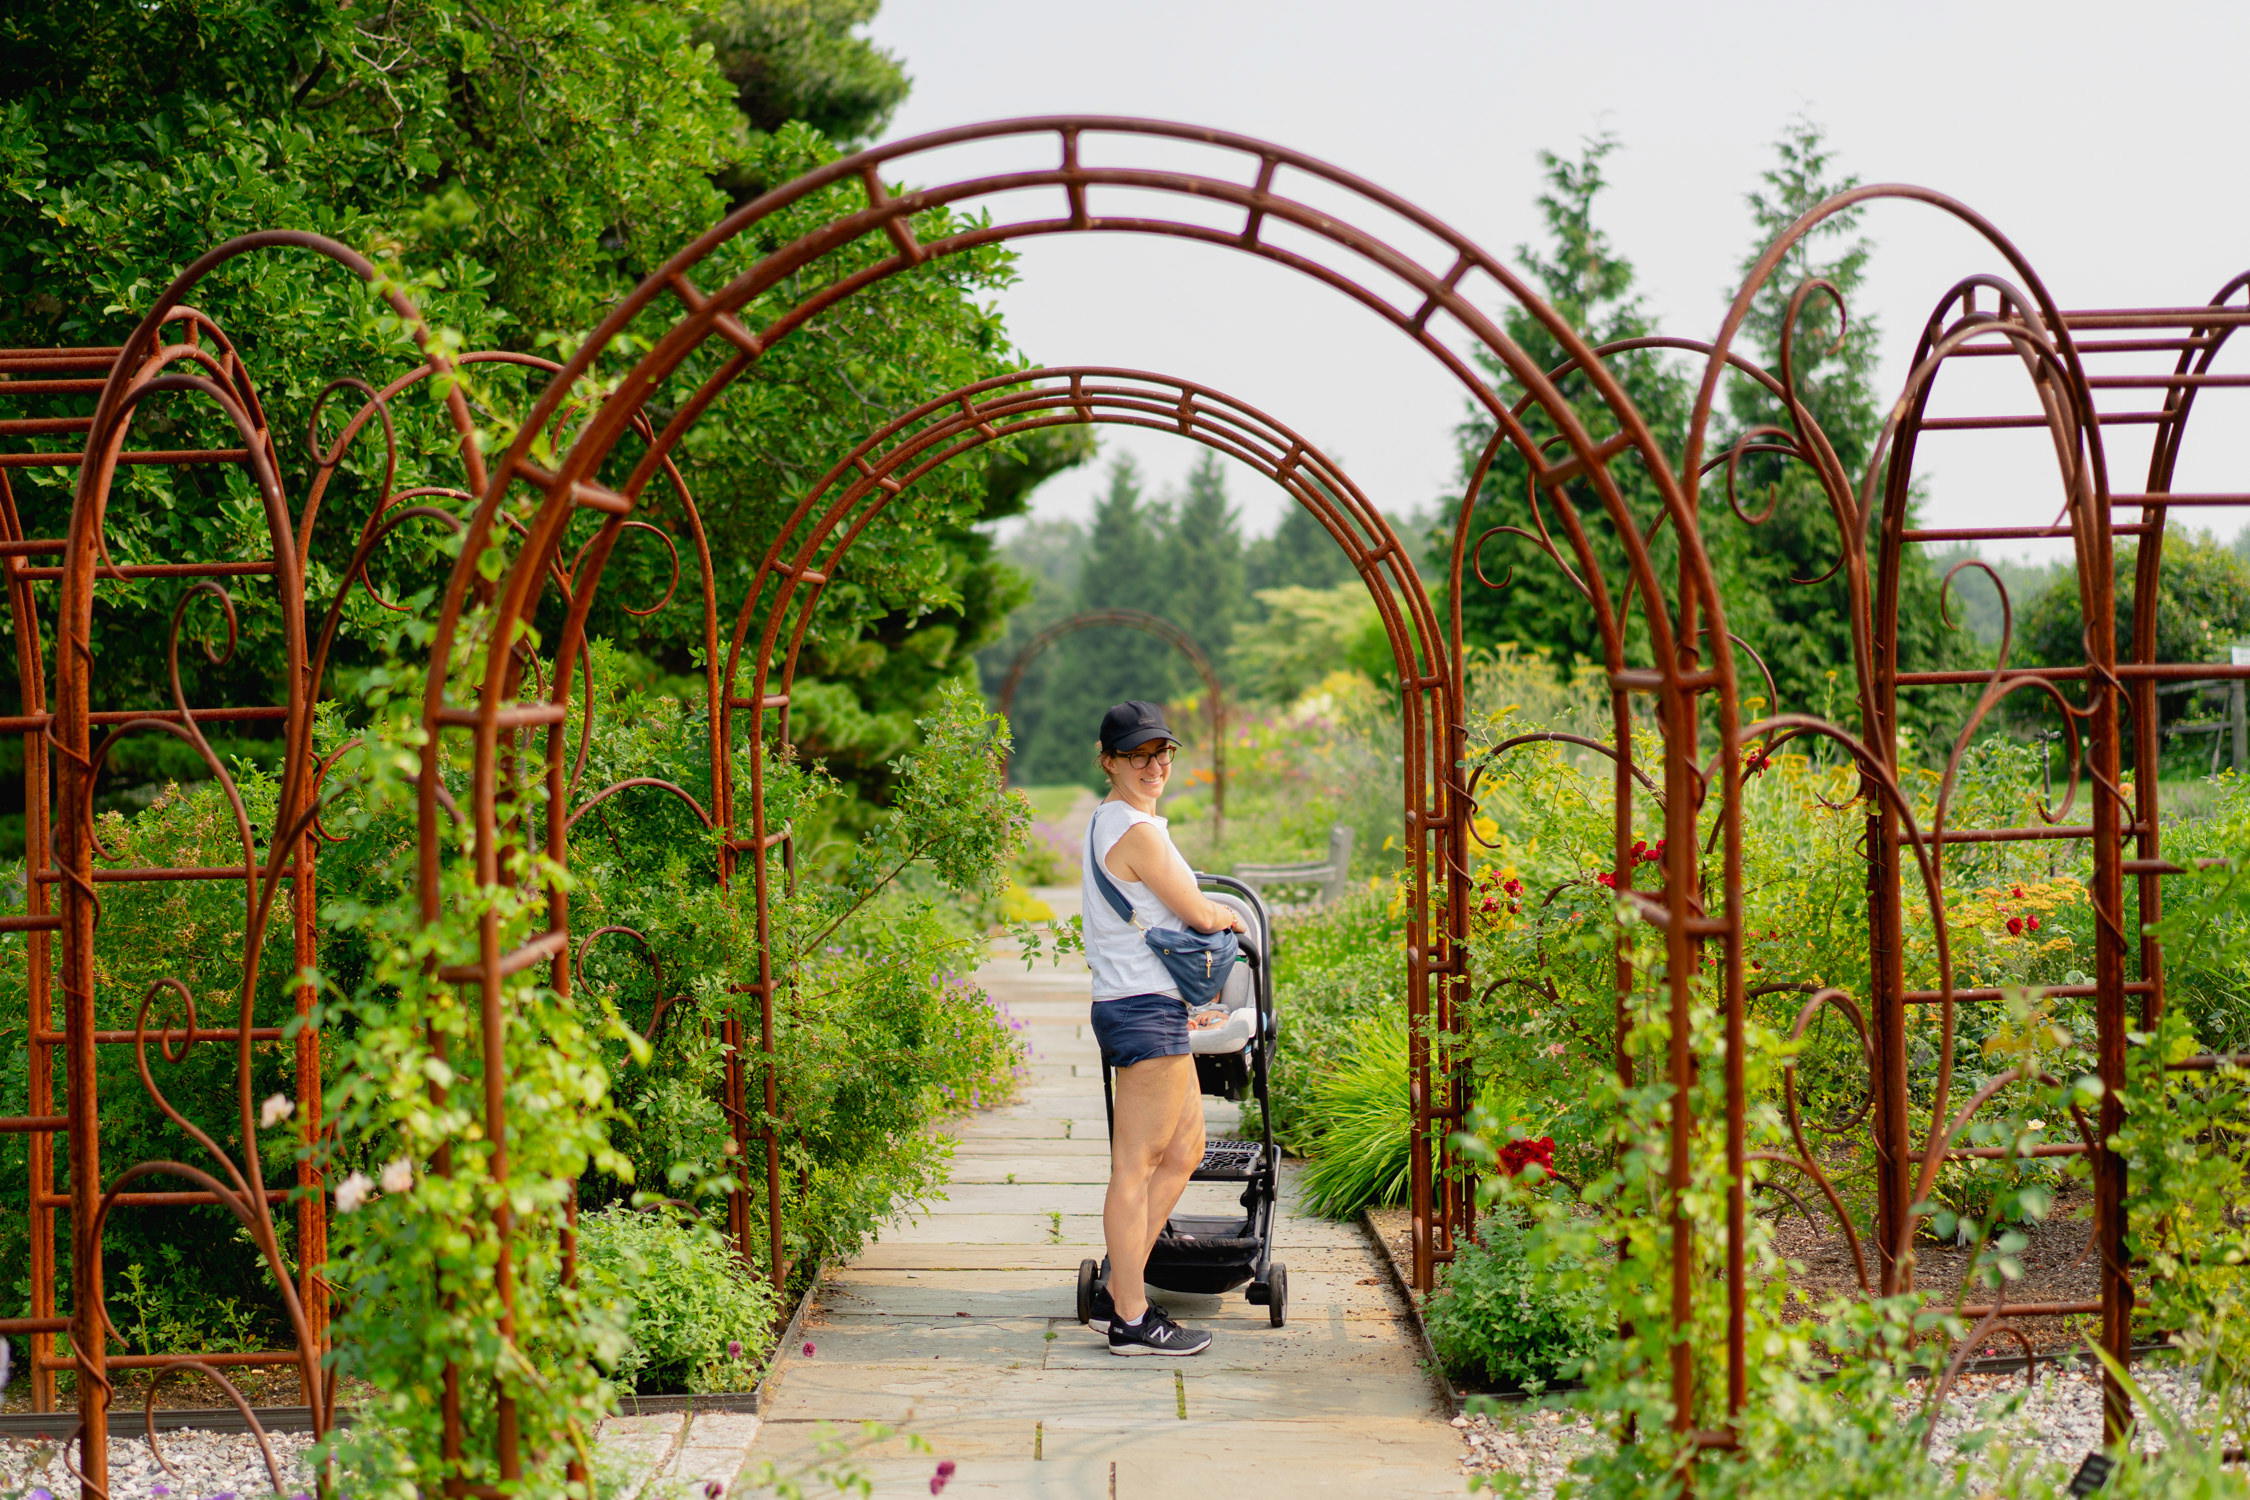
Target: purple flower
713,1489
945,1468
808,1348
734,1348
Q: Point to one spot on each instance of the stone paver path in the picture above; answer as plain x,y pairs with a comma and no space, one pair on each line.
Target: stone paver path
673,1455
958,1325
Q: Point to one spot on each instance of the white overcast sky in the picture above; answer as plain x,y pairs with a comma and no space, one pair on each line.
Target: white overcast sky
2106,140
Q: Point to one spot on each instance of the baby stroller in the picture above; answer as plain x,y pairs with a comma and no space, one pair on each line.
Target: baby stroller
1209,1254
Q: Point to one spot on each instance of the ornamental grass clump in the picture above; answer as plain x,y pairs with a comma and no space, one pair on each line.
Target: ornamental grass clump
1365,1120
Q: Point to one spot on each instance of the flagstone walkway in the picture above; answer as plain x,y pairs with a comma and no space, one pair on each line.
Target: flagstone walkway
957,1325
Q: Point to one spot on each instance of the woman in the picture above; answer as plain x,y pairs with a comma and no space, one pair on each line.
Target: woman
1141,1022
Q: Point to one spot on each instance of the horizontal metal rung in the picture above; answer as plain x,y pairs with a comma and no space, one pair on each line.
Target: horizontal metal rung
34,1325
514,716
79,387
1932,997
158,1361
2155,317
539,950
131,874
157,1200
73,459
1988,424
47,922
2009,533
164,570
33,1125
159,1035
2000,835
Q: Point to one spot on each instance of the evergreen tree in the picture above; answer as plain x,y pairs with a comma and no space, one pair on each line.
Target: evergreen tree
1123,567
1583,278
1802,629
1299,553
1205,575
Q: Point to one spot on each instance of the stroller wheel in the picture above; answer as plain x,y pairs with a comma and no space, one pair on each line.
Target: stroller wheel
1277,1294
1089,1281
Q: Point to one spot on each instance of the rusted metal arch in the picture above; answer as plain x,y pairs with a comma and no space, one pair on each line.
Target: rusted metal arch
1677,678
854,492
1180,641
1274,225
198,365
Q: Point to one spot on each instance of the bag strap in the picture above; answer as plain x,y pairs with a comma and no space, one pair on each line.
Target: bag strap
1117,899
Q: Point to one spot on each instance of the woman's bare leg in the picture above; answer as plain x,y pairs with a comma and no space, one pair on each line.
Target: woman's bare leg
1141,1138
1182,1155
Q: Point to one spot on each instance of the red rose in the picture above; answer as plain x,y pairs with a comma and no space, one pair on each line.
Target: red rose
2015,927
1605,878
2032,923
1522,1152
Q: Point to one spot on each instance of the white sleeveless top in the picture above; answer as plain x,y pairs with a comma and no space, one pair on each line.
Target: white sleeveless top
1115,950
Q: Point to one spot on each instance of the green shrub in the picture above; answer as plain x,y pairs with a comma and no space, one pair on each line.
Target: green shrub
1507,1317
1040,863
692,1316
1365,1118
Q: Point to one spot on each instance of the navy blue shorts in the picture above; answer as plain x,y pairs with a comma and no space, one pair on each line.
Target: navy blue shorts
1135,1028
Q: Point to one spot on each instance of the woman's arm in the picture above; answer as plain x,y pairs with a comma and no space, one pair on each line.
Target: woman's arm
1145,855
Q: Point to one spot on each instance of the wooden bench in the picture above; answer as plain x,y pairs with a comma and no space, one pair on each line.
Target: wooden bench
1329,876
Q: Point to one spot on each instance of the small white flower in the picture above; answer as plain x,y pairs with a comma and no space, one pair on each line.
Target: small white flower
398,1176
353,1191
278,1108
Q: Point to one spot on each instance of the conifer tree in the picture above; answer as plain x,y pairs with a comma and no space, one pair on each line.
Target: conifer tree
1802,629
1123,567
1205,584
1584,278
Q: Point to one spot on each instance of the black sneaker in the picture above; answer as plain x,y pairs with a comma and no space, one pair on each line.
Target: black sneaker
1105,1311
1156,1333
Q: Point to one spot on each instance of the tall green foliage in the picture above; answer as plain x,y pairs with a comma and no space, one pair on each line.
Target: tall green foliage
1206,595
1802,630
1124,566
1297,553
1591,284
1799,626
517,167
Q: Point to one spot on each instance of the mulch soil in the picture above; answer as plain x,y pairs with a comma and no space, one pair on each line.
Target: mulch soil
2059,1266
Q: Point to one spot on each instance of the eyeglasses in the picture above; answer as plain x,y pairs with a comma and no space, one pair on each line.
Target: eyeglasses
1141,760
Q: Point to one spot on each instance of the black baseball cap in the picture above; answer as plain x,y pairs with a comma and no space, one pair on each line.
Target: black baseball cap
1128,726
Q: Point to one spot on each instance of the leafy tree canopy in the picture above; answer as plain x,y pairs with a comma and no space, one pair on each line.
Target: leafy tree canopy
2202,605
517,165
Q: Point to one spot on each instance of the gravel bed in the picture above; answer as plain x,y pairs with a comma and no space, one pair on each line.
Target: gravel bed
207,1465
2060,1416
